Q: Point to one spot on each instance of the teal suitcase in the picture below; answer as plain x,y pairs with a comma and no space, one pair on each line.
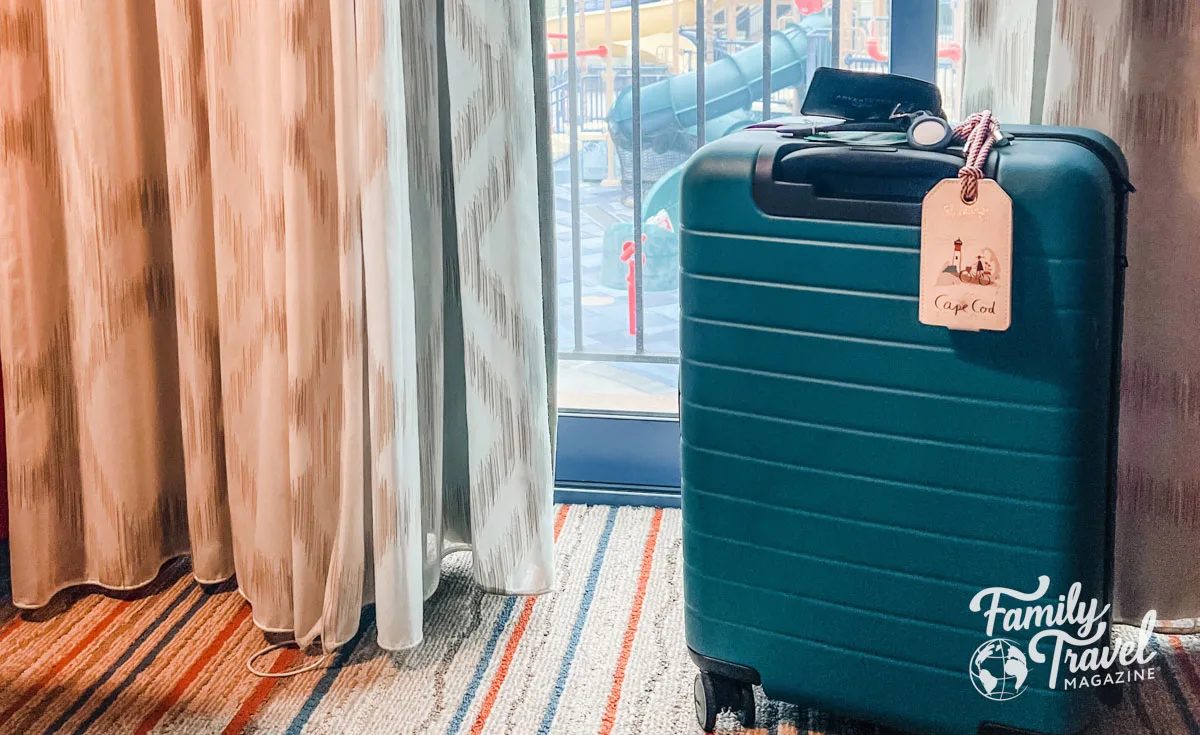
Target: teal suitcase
852,477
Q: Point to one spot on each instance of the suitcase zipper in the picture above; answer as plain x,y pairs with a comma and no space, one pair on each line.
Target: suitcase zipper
1119,177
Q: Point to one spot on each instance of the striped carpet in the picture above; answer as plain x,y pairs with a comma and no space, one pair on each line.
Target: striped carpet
603,655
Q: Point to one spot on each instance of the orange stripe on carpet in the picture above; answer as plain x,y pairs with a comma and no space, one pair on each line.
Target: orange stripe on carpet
63,662
189,676
510,650
635,615
261,692
9,626
560,520
485,708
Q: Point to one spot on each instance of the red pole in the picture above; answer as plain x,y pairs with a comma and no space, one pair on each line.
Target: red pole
631,279
631,298
601,51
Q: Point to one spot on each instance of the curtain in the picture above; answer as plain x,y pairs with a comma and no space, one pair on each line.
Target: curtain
1131,69
274,294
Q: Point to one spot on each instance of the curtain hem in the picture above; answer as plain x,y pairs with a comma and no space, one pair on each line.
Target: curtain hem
108,587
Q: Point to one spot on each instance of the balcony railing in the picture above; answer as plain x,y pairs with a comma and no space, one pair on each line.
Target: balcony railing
618,153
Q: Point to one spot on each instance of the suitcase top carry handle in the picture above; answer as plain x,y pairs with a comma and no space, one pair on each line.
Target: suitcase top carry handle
875,184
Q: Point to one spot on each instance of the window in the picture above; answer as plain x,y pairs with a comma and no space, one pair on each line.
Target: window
617,165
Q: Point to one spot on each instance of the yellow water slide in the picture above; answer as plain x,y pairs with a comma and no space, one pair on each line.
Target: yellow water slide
660,21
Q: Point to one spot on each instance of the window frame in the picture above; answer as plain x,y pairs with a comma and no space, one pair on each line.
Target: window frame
634,459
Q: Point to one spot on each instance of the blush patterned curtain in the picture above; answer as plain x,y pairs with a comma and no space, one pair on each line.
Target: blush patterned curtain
1131,69
273,293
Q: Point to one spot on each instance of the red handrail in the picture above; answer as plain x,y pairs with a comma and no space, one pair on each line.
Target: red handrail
951,50
874,51
601,51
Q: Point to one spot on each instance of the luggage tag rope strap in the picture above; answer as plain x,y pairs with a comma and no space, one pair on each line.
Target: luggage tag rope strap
978,132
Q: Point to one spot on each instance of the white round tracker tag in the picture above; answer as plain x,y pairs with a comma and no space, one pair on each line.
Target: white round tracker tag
966,257
929,133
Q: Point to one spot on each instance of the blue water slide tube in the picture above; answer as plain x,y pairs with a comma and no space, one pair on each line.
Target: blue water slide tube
731,83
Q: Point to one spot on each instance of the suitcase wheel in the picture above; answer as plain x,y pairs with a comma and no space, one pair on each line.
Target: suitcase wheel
715,694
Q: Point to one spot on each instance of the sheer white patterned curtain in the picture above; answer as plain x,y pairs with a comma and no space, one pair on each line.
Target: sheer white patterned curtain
300,246
468,251
451,245
1131,69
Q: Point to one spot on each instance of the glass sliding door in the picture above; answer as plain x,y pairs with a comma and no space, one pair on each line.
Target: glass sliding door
704,72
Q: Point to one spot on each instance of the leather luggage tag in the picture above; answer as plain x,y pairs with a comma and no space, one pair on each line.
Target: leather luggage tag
966,258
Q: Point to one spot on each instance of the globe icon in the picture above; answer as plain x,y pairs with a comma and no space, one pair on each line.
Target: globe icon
999,670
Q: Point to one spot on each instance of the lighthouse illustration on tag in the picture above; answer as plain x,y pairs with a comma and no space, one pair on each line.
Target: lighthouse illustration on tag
966,258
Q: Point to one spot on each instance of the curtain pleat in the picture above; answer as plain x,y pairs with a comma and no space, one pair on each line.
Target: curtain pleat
545,188
494,169
405,393
1006,47
181,61
277,294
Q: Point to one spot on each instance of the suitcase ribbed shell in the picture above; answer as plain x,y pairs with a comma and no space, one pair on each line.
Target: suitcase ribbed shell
851,477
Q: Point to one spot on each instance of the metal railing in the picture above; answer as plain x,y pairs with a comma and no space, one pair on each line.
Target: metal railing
577,102
593,100
573,130
581,98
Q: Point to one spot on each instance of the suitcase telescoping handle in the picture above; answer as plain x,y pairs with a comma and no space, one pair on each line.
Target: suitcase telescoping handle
881,185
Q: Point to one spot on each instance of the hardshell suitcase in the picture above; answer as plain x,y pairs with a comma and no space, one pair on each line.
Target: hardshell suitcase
852,478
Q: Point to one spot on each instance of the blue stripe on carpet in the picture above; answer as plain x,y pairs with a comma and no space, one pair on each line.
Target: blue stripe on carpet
143,664
121,661
1172,684
580,619
341,658
481,668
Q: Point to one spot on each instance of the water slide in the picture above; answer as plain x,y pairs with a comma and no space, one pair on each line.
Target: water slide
732,83
670,107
